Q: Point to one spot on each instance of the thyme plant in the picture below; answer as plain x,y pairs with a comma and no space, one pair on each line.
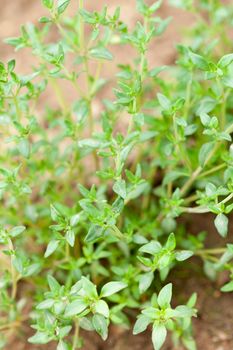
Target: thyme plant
90,199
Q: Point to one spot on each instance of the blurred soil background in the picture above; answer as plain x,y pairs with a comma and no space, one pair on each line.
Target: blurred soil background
213,328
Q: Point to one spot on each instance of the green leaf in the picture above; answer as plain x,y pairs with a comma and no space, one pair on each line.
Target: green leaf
112,288
62,345
155,71
206,105
145,281
119,188
137,190
165,296
91,143
95,232
173,175
141,324
52,246
183,255
18,264
171,242
152,248
100,324
226,60
48,3
70,237
221,224
40,338
45,19
228,287
53,284
17,230
184,311
164,101
205,152
89,288
55,214
101,52
85,323
46,304
62,5
159,334
199,61
75,307
101,307
11,65
74,220
24,148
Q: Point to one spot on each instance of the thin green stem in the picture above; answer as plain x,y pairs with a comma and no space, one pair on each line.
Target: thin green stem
211,251
81,26
76,335
59,94
192,178
227,199
178,145
67,251
188,96
197,210
213,170
199,169
13,271
117,232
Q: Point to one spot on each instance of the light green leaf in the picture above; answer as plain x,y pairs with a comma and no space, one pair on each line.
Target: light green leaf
46,304
75,307
48,3
221,224
17,230
198,61
94,232
171,242
225,60
100,324
152,248
89,288
85,323
53,284
40,338
24,148
141,324
183,255
101,52
205,152
228,287
112,288
165,295
74,220
119,188
52,246
70,237
159,334
101,307
183,311
62,5
164,101
145,281
62,345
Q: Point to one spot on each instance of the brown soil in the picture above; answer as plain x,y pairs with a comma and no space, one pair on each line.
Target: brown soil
214,324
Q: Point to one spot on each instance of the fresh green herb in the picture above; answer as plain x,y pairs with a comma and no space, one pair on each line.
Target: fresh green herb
91,199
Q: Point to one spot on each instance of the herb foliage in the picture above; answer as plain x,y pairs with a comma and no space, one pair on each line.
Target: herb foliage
90,201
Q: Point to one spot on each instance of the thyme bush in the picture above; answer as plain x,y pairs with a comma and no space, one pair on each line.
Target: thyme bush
89,203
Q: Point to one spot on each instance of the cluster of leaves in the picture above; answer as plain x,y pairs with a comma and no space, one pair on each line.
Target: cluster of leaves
91,196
